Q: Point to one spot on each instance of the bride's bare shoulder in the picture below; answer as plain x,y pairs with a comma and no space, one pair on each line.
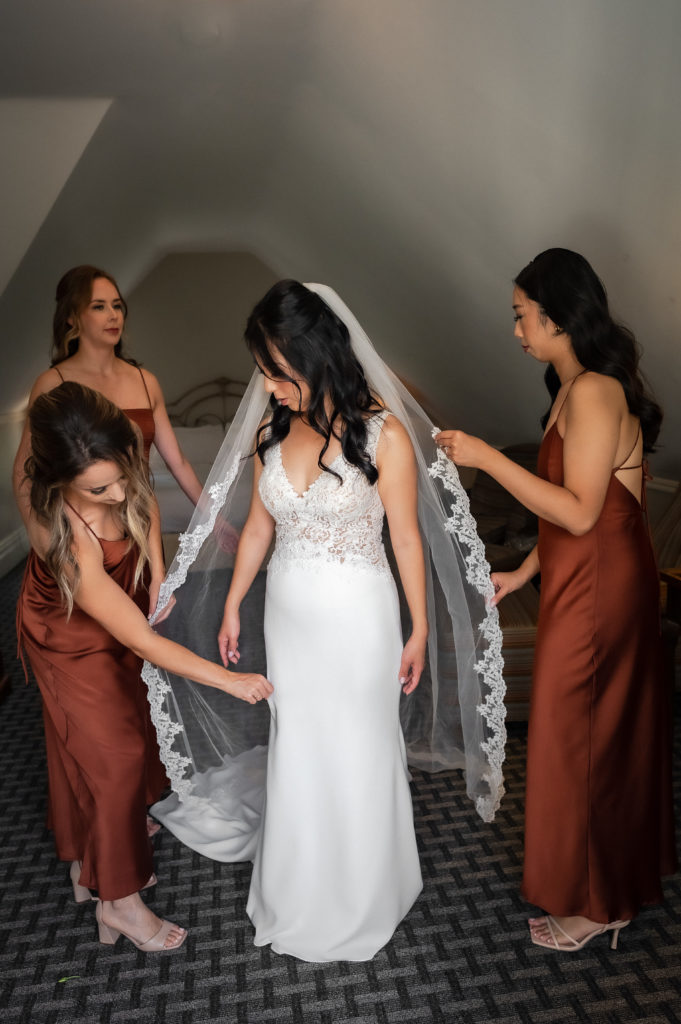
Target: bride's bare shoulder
393,440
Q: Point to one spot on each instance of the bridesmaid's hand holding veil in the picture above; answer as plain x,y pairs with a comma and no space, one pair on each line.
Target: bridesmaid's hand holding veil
463,449
248,686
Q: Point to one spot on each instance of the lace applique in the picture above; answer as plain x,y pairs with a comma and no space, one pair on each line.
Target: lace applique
331,522
490,667
176,764
158,688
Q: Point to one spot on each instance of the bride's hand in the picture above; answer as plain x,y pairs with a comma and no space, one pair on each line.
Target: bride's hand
228,637
411,665
248,686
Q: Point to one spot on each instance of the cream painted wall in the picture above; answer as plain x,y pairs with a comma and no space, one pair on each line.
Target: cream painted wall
29,129
188,314
13,543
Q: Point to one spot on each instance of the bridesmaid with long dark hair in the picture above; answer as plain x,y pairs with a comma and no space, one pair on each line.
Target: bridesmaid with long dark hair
599,832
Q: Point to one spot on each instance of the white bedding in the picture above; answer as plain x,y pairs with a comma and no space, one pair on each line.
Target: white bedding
200,445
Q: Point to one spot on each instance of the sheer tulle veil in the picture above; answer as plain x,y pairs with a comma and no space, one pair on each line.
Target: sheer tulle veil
213,745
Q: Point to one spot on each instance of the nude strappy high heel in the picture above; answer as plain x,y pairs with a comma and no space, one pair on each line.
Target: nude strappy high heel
572,945
156,944
81,893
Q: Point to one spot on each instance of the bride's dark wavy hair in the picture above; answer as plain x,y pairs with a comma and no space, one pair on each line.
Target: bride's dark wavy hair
569,291
316,344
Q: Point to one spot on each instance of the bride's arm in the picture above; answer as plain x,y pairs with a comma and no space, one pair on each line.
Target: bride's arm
398,489
254,543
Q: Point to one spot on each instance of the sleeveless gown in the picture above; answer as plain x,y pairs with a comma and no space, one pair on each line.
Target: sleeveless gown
325,810
599,830
143,417
100,754
336,866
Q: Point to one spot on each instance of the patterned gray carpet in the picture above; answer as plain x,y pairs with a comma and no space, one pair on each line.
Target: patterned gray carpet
462,954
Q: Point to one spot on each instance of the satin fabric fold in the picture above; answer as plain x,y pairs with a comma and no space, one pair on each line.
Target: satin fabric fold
102,755
599,829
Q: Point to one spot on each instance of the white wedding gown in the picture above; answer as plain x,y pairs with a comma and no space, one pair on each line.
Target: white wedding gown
335,861
336,867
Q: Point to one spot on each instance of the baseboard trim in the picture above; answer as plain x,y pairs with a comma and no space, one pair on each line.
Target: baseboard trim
659,483
13,548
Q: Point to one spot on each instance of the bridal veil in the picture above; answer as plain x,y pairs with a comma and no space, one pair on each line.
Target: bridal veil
213,745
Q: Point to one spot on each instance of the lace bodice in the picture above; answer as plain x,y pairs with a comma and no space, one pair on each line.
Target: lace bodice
330,522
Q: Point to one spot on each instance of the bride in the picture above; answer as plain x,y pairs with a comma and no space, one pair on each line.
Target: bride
332,837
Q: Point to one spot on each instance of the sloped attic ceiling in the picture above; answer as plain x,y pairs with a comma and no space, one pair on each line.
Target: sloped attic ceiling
413,153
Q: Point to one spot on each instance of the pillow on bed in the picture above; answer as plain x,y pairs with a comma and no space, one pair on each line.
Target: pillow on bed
200,446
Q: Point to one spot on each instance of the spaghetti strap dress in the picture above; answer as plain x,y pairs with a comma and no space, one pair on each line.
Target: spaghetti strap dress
100,774
599,829
143,417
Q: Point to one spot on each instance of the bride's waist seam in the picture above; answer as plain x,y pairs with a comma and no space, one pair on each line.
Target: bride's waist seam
322,561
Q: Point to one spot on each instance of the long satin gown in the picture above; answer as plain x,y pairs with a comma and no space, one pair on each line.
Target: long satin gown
143,417
336,866
599,831
102,759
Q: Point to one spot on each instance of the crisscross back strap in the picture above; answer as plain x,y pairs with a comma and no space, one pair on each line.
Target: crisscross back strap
631,452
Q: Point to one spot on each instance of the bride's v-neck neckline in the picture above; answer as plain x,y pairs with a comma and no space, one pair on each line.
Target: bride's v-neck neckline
313,483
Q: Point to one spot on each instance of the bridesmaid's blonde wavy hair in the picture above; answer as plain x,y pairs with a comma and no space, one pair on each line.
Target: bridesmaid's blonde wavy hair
71,428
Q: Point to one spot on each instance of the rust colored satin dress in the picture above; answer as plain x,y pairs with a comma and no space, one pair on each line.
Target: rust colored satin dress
144,419
599,830
101,775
